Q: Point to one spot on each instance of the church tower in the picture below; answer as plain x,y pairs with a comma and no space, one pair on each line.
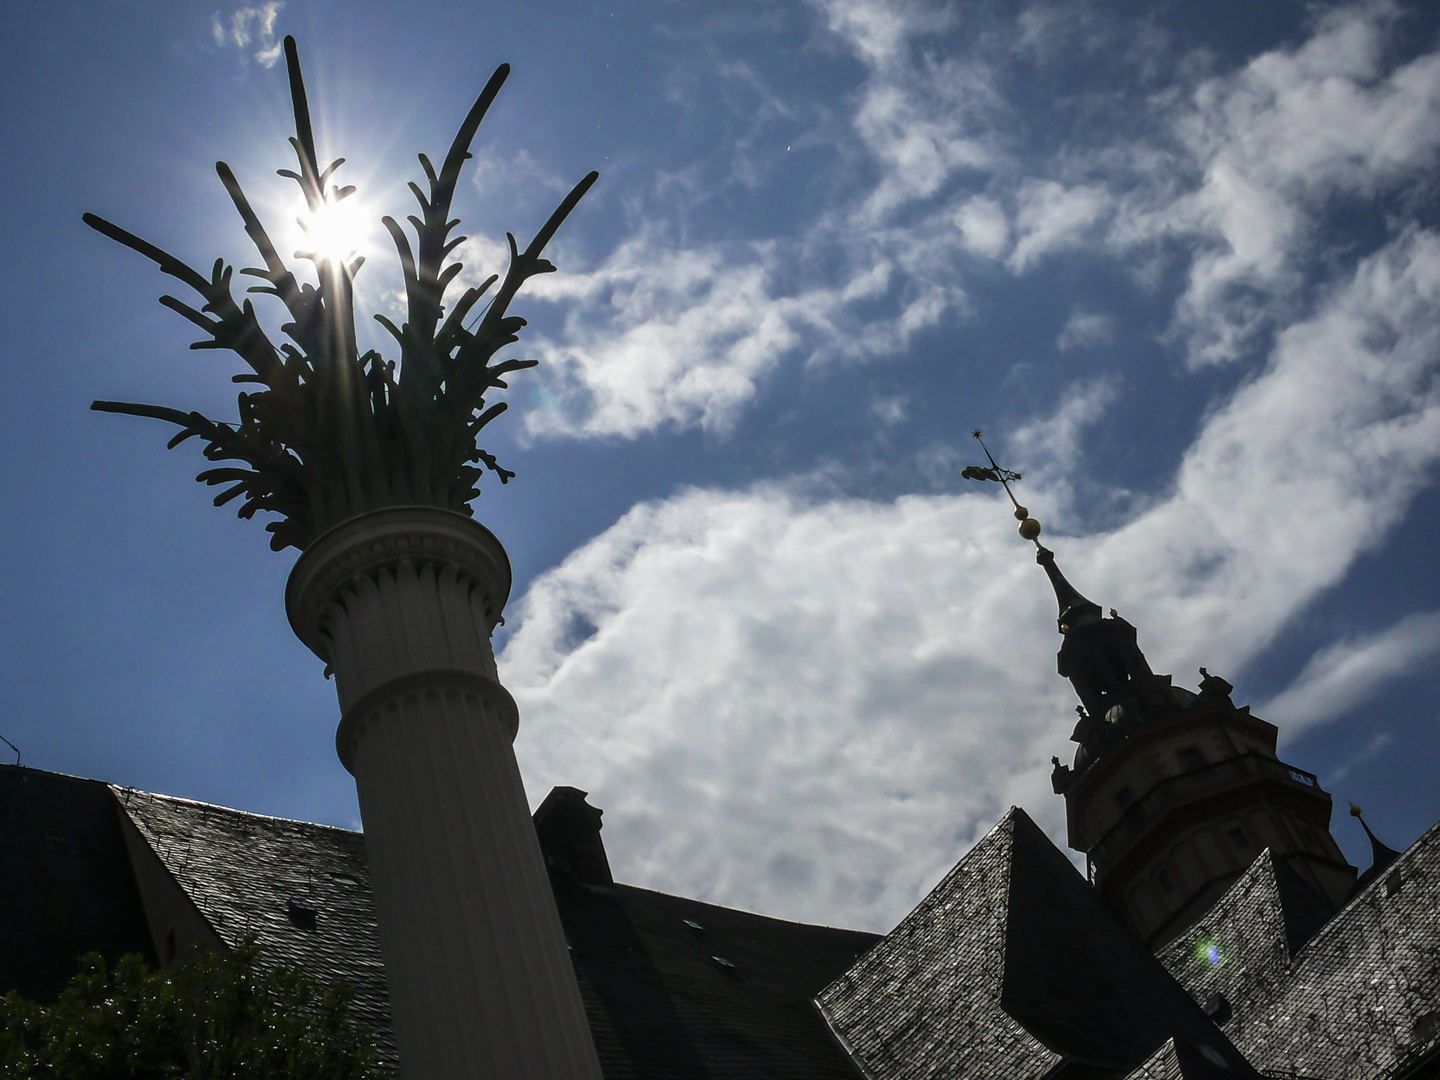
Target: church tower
1172,794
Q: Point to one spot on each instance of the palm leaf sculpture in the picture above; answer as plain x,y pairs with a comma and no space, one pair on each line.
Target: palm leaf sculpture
334,434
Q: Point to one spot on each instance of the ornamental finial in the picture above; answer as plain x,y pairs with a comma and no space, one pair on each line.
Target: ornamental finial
1074,607
1029,527
333,433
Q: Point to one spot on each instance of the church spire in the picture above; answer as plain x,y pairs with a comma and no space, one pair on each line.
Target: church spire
1075,608
1172,793
1099,655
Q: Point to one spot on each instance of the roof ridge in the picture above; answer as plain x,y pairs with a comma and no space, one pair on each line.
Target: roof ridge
122,790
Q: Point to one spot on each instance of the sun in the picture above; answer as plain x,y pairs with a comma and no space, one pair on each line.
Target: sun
336,232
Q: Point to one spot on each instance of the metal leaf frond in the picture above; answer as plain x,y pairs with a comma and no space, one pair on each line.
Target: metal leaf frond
329,433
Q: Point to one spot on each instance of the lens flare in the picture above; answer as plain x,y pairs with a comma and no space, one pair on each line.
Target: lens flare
335,232
1207,951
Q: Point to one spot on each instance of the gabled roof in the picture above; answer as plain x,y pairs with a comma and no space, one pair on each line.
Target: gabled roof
926,998
1359,999
673,988
303,890
680,990
1012,967
1246,940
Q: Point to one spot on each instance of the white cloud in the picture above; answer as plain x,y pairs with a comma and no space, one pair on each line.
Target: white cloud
925,118
1086,330
515,177
924,115
250,25
890,410
658,336
1051,444
1046,30
880,32
1275,144
788,707
1344,675
1051,217
1232,175
1255,157
812,708
1366,753
920,143
1339,430
984,228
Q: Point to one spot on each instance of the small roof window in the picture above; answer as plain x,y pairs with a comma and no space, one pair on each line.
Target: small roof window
302,914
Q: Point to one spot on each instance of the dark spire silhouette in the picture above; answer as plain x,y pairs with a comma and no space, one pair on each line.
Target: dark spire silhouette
1075,609
1099,655
1381,855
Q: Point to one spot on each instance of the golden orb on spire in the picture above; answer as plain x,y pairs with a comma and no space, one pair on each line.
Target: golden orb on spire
1029,527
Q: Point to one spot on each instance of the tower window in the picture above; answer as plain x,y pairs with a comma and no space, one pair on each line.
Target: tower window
1238,838
1125,796
1166,881
1191,758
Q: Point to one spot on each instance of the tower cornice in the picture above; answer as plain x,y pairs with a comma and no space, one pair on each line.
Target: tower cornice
1139,738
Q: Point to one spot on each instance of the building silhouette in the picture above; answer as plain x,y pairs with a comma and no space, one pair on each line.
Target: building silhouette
1221,933
1173,793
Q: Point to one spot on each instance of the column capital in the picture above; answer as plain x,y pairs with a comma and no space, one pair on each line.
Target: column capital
384,539
398,590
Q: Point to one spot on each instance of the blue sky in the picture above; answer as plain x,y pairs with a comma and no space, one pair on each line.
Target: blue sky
1180,261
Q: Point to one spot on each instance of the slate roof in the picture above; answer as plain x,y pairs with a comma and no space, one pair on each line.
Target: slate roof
1180,1060
925,1001
66,887
243,870
675,988
1012,967
661,1004
1359,999
1242,949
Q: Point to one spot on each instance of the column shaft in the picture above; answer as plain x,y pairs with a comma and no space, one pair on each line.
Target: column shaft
401,604
474,953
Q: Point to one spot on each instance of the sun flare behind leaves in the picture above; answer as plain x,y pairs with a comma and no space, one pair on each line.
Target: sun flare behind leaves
333,433
333,233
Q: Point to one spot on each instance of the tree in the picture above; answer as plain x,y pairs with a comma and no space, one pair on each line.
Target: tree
210,1017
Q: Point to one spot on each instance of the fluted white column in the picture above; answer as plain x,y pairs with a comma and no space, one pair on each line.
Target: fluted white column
400,603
